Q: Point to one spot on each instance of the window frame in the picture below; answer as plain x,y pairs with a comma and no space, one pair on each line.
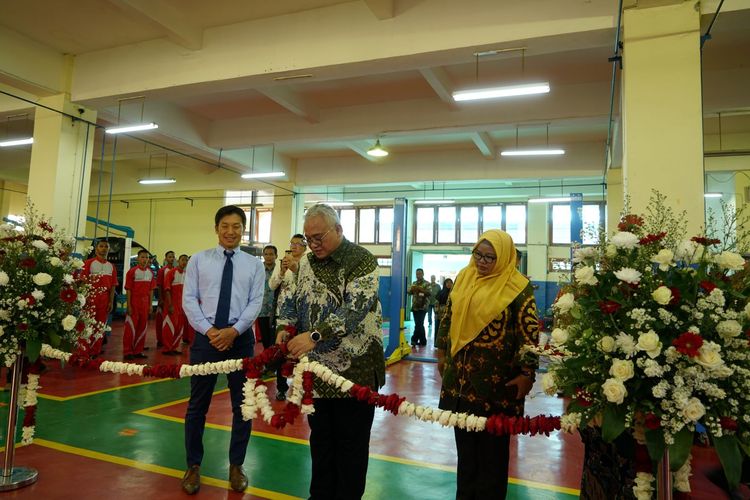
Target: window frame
459,206
602,221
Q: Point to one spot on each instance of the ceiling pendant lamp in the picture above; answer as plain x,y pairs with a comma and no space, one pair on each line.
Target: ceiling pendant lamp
158,179
377,150
543,151
263,175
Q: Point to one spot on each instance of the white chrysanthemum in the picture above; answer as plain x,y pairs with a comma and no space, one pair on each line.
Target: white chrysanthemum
68,322
622,369
729,261
643,488
662,295
607,344
4,279
626,343
586,275
628,275
41,279
689,251
565,303
729,328
624,239
37,294
614,390
559,336
40,245
584,253
665,259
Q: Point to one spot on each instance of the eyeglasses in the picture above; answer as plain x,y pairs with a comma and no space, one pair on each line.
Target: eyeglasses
480,257
316,240
297,243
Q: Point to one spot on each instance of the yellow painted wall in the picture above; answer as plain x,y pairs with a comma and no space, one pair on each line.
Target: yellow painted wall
12,198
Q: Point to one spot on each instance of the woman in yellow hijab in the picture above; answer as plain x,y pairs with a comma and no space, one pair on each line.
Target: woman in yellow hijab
491,314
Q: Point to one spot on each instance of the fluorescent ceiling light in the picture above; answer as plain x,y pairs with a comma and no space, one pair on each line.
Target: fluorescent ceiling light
532,152
165,180
713,195
497,92
263,175
17,142
377,150
132,128
549,200
433,202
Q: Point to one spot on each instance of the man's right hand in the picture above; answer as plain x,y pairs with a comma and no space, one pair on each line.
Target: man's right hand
282,337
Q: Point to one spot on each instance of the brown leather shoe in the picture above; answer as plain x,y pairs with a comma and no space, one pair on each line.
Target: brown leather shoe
191,481
237,478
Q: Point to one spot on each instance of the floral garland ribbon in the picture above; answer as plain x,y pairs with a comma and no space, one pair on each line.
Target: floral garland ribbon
300,401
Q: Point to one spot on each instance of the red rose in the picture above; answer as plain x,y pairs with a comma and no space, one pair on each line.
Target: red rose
609,306
676,295
707,286
28,263
68,295
652,422
688,344
30,300
728,423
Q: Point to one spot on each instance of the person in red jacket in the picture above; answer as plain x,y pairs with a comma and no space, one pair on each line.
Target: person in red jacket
175,322
161,311
139,285
104,280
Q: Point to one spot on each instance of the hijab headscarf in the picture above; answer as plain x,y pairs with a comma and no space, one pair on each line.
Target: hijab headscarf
477,300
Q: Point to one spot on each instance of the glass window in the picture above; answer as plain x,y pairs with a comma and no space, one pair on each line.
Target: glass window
515,223
446,224
591,224
348,218
238,197
492,217
385,225
469,224
264,226
561,224
366,225
425,222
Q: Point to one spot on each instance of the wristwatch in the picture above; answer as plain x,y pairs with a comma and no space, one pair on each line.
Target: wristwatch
315,336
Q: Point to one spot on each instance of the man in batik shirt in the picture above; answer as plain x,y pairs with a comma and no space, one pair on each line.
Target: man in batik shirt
335,308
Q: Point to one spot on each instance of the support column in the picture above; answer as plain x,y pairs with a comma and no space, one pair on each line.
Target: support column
662,108
61,163
283,220
615,198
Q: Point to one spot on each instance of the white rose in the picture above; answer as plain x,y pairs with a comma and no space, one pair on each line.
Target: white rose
610,251
709,356
650,343
55,261
76,263
586,275
68,322
662,295
559,336
42,279
2,330
622,369
624,239
729,328
694,410
4,279
607,344
39,244
664,258
730,261
565,303
628,275
747,309
549,385
614,390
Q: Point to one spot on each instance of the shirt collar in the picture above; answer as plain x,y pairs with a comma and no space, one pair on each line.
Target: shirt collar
220,250
338,255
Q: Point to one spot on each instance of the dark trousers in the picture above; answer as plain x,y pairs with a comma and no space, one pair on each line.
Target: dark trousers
430,314
419,336
268,338
201,390
339,447
482,471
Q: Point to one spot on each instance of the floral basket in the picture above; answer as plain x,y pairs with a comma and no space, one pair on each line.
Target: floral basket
42,296
652,338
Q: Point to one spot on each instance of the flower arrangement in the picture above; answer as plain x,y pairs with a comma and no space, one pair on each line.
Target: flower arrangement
652,337
42,298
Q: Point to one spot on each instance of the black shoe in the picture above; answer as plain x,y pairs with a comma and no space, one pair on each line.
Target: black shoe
281,396
128,357
140,355
191,481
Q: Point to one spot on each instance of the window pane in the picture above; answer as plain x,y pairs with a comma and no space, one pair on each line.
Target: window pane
469,224
561,224
238,197
385,225
515,223
367,225
446,224
348,222
264,226
492,218
591,224
425,225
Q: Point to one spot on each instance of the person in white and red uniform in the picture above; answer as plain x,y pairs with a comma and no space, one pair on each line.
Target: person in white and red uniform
174,321
104,281
161,311
139,285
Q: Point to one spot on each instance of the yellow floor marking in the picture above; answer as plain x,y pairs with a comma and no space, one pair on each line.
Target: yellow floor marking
157,469
101,391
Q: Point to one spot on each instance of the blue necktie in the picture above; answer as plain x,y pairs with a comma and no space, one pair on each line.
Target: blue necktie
225,293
